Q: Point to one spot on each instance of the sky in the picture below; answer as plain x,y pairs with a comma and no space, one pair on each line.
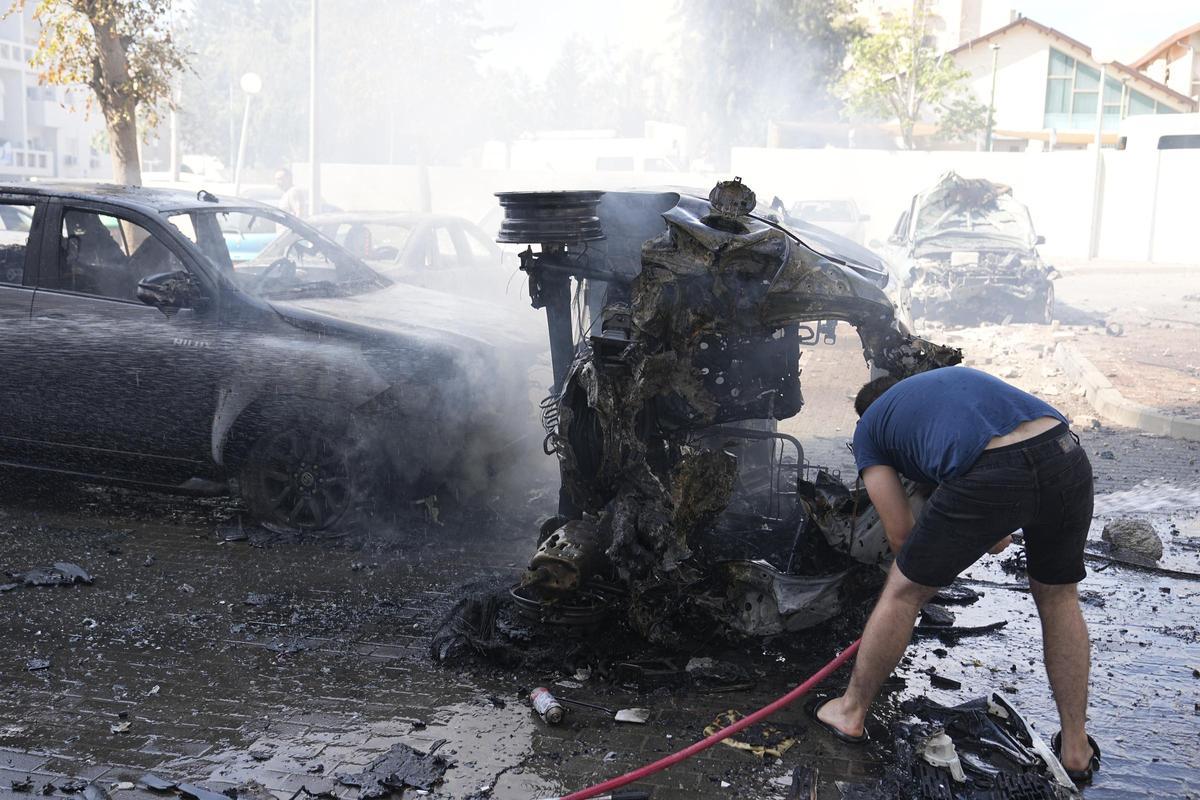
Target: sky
533,30
1120,28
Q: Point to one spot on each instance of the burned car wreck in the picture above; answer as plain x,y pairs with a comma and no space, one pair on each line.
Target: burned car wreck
141,351
680,501
968,253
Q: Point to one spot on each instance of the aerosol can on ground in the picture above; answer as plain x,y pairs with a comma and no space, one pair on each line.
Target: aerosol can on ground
547,707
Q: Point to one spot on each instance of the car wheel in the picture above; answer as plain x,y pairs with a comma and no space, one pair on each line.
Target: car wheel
1045,314
300,475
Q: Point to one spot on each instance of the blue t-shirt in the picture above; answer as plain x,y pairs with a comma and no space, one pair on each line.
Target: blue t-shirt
934,425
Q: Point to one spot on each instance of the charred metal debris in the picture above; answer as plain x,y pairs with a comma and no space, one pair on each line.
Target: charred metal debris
676,324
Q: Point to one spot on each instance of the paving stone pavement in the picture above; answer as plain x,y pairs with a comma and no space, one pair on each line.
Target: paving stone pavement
289,663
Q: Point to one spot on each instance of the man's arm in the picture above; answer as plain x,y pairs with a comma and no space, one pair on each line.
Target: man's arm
888,497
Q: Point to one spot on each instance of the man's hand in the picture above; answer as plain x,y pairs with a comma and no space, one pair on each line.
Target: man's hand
1001,545
888,497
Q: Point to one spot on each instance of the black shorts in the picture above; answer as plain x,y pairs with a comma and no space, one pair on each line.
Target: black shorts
1042,486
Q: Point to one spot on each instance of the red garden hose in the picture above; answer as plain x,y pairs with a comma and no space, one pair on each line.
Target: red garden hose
724,733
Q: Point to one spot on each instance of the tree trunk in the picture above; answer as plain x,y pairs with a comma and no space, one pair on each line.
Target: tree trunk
123,146
111,85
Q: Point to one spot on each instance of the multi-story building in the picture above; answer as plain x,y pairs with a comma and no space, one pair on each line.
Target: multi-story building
44,130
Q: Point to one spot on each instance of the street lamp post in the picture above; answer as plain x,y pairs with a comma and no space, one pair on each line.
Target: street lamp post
251,84
1098,168
992,99
314,172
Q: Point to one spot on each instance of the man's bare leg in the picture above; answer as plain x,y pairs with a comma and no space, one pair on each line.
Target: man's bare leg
884,640
1067,653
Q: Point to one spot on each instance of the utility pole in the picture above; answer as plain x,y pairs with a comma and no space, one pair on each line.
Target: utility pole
992,99
251,85
1098,169
174,119
314,177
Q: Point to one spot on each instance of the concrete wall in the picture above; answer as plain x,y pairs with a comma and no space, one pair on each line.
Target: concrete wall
1147,208
1148,198
466,191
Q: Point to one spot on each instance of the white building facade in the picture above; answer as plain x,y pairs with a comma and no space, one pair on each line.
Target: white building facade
1047,87
44,132
1175,62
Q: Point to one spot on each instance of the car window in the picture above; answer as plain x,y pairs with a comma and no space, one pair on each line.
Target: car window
480,248
15,222
442,251
104,255
271,254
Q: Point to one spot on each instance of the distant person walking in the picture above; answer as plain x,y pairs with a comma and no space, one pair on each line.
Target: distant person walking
1001,459
294,199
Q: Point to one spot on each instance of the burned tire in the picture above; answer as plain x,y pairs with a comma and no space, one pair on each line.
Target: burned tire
301,475
1041,309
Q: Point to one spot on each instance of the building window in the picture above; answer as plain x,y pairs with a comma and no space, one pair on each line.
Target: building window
1073,92
1140,104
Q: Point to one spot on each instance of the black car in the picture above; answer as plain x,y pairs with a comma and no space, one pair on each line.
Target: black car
136,349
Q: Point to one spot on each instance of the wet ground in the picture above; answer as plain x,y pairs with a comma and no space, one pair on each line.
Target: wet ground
285,662
264,662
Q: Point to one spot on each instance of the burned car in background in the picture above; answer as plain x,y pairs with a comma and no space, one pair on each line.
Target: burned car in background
437,251
137,349
968,253
673,364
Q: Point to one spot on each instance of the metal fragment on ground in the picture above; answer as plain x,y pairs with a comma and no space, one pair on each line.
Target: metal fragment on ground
191,791
63,573
157,784
400,768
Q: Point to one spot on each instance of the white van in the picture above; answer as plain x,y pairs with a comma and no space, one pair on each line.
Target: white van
1160,132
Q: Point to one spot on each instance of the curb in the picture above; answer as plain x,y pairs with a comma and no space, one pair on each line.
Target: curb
1109,402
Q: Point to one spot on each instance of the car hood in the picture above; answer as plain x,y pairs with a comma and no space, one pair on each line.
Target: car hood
839,248
415,312
963,241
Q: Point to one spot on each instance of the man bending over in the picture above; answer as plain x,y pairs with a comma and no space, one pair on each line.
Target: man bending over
1001,459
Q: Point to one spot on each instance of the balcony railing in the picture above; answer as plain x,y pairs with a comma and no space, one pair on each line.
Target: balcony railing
22,161
15,54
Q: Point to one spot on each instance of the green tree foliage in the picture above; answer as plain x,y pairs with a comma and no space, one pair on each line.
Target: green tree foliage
896,73
747,63
124,51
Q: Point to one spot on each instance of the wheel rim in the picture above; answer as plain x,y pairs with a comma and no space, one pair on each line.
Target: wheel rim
304,478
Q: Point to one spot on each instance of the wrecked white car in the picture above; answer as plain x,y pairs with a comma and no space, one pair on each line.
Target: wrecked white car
681,503
968,253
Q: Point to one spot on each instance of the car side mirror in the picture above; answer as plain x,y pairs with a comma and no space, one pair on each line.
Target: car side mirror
170,291
1040,239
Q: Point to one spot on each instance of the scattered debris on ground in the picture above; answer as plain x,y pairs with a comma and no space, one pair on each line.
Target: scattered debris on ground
402,767
63,573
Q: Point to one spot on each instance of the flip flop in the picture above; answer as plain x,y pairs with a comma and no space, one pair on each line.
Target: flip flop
814,705
1081,777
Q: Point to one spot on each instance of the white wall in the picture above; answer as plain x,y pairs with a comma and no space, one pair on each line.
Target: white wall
1057,188
466,191
1141,191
